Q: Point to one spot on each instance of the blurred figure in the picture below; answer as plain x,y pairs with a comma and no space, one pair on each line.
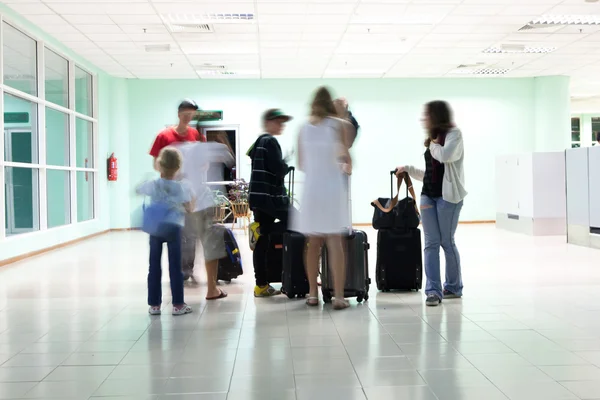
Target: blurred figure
197,158
323,155
167,193
341,107
268,199
441,200
181,133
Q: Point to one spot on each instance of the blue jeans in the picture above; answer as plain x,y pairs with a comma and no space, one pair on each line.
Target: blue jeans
173,241
440,219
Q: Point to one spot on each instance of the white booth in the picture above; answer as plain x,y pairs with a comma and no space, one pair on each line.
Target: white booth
583,196
530,193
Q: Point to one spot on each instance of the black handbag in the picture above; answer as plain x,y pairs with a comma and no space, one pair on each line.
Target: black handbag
391,213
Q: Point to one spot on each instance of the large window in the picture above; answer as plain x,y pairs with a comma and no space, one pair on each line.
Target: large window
585,129
48,170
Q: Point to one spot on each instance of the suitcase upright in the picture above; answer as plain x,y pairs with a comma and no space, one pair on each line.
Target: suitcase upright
230,267
399,260
357,263
357,269
275,253
294,281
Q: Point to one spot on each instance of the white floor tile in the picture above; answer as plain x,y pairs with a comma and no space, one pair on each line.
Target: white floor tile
101,343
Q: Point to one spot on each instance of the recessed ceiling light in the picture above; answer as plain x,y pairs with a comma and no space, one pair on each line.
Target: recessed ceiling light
550,20
202,20
519,49
354,72
462,70
157,48
216,72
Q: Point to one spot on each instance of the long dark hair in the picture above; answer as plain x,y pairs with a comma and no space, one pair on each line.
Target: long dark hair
440,118
322,105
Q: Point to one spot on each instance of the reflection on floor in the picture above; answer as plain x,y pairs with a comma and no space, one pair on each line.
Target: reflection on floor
74,325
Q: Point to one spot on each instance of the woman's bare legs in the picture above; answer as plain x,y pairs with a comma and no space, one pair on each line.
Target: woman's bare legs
337,261
311,262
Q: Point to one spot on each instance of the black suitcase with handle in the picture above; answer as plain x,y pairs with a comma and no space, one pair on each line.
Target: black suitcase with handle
399,260
293,280
357,263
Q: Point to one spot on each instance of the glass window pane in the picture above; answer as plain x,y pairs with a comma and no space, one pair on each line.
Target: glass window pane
57,138
85,196
56,79
59,197
20,130
575,130
596,129
84,143
21,205
83,92
575,145
20,60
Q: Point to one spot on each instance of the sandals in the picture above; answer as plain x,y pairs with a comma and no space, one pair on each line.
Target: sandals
312,301
222,295
340,304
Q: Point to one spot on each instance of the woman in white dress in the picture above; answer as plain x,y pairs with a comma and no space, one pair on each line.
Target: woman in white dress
323,156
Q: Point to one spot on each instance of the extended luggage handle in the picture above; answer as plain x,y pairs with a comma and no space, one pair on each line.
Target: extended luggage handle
291,183
394,199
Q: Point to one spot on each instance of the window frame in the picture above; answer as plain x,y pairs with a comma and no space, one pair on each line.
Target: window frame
41,165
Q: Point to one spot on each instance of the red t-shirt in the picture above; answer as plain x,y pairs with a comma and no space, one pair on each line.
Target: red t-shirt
169,136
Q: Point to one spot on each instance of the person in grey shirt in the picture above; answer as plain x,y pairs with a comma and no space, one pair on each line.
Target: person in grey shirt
197,158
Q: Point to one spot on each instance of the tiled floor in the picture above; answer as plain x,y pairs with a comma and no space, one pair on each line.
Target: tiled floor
73,325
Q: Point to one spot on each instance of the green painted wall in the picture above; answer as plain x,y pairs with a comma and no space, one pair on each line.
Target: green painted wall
496,116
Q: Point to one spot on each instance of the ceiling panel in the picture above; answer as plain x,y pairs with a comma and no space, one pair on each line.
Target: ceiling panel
316,38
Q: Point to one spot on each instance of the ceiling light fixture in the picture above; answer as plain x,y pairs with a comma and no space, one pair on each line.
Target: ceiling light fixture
200,22
217,72
518,49
463,70
561,20
157,48
354,72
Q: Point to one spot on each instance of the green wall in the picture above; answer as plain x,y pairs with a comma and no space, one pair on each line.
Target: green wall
497,116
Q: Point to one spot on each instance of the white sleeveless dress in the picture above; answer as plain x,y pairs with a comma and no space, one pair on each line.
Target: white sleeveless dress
324,200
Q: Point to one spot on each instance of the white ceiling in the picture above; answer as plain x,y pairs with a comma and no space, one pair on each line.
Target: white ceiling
325,38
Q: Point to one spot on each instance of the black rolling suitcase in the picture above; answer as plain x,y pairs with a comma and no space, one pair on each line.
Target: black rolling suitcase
275,253
357,264
399,260
294,281
357,269
399,251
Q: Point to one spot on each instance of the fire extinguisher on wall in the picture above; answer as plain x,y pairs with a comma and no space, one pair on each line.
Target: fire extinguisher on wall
112,168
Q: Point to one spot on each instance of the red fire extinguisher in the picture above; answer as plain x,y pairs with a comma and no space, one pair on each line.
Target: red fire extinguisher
112,168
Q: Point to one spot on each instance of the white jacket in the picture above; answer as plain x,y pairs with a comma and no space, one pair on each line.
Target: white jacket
452,155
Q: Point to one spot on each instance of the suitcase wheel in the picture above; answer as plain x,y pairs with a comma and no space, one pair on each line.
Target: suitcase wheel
302,296
359,298
326,297
366,296
291,295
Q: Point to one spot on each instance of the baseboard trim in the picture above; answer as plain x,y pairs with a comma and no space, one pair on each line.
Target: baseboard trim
461,222
35,253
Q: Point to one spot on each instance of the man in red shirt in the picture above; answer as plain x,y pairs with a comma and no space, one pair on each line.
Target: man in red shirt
181,132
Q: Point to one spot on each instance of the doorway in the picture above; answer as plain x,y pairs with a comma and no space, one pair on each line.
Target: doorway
21,184
227,135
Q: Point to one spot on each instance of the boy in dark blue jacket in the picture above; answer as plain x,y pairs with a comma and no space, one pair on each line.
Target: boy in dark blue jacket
268,197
